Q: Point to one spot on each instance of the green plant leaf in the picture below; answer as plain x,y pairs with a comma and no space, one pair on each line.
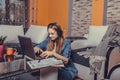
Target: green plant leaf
2,39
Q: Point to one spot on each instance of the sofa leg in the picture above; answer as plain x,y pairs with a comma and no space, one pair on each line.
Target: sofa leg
95,76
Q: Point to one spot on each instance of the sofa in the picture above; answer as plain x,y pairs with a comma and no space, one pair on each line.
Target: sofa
81,46
11,32
35,32
112,64
39,33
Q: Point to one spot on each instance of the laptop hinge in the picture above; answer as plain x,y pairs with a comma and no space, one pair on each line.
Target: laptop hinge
27,57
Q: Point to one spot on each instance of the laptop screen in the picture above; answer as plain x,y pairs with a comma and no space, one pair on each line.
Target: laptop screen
26,46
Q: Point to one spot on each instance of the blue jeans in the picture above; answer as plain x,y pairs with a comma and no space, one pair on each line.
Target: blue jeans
65,74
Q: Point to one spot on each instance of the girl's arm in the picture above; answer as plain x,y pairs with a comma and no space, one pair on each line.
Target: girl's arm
64,56
58,56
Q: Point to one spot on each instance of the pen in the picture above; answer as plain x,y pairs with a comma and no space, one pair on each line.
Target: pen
38,60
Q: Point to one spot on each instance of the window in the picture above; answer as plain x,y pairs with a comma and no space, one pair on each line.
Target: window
13,12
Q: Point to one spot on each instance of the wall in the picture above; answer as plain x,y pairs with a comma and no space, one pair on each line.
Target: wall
38,12
97,12
58,12
81,17
113,12
85,13
43,12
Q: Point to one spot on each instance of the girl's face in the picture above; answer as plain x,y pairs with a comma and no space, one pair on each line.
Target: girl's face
52,34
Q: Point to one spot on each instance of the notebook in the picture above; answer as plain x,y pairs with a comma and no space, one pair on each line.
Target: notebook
35,64
27,48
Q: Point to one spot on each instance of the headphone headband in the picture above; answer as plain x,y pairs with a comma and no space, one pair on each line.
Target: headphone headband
58,28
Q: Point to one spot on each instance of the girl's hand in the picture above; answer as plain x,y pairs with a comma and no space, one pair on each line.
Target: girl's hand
47,54
37,50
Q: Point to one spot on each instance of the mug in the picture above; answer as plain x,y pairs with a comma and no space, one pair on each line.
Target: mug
10,51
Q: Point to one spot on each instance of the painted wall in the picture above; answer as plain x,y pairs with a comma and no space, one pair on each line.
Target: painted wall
57,10
47,11
42,12
38,12
52,11
97,12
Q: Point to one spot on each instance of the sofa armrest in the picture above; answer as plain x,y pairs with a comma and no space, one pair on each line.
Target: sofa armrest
114,73
76,38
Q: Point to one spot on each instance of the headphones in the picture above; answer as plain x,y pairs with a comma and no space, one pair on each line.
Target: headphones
58,28
59,31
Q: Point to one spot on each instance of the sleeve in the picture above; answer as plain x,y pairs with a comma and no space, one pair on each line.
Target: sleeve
43,44
66,49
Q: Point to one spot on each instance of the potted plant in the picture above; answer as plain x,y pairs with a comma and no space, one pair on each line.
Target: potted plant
2,39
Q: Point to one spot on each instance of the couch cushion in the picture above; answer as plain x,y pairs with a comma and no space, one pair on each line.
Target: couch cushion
115,74
37,33
96,34
12,32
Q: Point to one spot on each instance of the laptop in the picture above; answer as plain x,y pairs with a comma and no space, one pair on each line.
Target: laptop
27,47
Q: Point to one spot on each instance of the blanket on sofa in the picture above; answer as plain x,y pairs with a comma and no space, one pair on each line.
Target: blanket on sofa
98,55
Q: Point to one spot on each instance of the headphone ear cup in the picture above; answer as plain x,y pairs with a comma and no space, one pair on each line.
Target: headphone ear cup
59,32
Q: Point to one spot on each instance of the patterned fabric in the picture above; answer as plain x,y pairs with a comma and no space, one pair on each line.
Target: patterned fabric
93,60
98,54
112,34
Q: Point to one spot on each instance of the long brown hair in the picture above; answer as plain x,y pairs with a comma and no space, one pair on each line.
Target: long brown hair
58,41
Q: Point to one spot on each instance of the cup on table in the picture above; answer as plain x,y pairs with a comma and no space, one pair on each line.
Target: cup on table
10,54
10,51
